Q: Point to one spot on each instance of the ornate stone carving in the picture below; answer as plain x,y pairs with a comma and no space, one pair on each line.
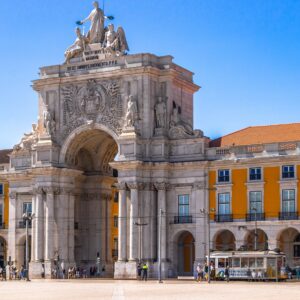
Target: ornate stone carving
96,101
49,121
161,186
160,113
78,47
149,186
136,185
179,129
132,114
13,195
27,141
38,190
121,186
100,41
51,190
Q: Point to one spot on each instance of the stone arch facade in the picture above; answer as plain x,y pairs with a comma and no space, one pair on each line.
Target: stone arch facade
224,240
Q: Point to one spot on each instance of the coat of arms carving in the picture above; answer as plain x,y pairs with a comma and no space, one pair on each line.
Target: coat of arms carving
97,101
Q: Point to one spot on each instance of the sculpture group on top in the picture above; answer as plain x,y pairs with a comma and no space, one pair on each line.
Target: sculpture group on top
99,37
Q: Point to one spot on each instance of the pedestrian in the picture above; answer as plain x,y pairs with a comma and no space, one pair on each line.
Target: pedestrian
206,271
199,271
139,271
226,273
298,272
145,272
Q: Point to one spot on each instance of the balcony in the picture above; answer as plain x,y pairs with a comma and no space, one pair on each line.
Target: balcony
223,218
183,219
114,253
255,217
22,224
288,215
2,226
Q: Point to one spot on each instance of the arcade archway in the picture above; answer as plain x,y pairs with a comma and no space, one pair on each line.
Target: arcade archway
91,151
186,254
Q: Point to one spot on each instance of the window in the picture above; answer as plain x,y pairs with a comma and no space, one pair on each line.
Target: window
255,203
288,201
288,171
115,243
116,197
27,207
224,204
223,176
183,205
116,221
1,189
1,214
297,246
255,173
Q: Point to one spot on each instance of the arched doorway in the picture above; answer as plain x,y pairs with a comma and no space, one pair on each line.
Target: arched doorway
186,254
289,243
261,241
3,248
224,241
91,151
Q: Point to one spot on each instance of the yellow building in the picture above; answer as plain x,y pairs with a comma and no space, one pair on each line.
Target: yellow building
253,190
4,205
114,223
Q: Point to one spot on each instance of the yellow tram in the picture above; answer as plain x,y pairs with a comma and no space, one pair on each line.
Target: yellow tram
249,265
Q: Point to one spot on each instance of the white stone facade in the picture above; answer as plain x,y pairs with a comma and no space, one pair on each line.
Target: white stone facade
65,168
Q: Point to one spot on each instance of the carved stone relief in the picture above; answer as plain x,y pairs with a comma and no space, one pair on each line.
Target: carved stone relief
100,102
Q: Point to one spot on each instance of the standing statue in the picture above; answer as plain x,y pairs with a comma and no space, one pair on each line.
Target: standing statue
115,42
132,112
160,113
97,18
78,47
49,122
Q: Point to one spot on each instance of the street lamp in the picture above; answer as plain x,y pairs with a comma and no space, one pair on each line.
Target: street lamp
255,229
27,217
207,215
140,225
159,245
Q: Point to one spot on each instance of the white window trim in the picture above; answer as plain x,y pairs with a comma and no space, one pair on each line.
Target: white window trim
253,189
223,191
288,179
291,186
258,180
222,182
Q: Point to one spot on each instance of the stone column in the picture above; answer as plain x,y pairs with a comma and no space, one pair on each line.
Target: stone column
162,205
146,219
153,223
12,226
71,229
134,217
201,238
122,230
49,224
33,233
39,228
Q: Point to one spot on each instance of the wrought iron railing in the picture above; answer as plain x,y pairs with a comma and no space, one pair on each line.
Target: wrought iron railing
183,219
223,218
255,217
288,215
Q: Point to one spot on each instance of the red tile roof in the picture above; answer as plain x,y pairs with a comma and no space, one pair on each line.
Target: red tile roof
4,158
260,135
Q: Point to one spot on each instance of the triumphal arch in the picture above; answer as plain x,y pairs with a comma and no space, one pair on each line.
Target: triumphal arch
107,119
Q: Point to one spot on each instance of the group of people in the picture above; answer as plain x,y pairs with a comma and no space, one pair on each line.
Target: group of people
14,273
75,272
142,271
202,272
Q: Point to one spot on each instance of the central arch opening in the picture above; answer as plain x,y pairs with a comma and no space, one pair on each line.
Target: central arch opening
96,203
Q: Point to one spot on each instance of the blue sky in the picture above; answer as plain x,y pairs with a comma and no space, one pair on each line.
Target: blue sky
245,55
